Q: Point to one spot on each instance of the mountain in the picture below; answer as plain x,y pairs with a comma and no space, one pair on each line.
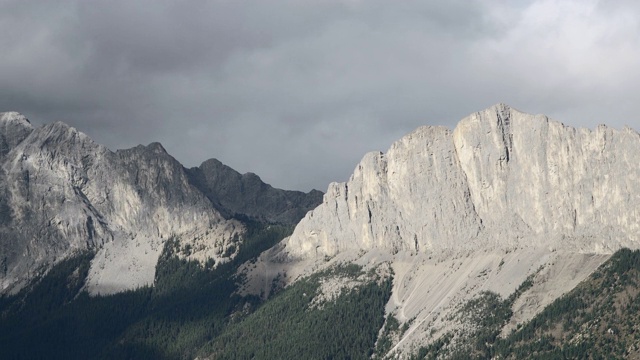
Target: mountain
233,193
503,198
62,193
502,178
506,237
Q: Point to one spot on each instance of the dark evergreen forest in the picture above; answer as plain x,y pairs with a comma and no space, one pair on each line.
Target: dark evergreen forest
188,306
192,310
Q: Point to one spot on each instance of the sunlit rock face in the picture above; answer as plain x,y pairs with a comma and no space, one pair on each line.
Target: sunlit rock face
501,178
504,197
60,193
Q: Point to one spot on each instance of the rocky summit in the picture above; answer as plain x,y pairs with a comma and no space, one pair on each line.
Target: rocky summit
60,193
503,197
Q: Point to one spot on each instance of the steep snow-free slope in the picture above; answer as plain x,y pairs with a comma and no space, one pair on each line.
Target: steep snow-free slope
14,128
503,196
60,192
156,203
66,193
233,193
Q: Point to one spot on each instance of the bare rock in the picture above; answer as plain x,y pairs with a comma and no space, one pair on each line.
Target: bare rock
501,179
236,194
62,193
503,197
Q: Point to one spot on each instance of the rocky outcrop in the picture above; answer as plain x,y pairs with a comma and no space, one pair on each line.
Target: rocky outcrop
14,128
245,194
61,193
150,203
64,193
502,178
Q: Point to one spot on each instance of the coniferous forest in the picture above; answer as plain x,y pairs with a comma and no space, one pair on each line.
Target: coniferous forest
191,311
188,306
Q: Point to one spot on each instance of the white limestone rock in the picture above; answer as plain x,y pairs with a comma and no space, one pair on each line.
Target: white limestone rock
556,180
61,193
503,196
14,127
502,179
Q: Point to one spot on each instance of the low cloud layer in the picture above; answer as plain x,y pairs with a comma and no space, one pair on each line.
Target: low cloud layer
298,91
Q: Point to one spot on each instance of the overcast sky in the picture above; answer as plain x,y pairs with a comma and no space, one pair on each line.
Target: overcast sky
299,91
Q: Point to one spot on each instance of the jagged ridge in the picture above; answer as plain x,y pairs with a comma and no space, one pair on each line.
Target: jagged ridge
233,193
62,193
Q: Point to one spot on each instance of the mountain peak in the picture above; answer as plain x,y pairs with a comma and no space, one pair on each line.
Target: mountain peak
246,194
14,117
60,127
500,106
62,134
157,148
213,162
14,128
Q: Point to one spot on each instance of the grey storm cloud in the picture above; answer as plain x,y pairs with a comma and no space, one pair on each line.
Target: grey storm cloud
298,91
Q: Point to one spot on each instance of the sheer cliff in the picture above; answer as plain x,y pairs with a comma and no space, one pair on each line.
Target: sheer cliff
501,178
504,197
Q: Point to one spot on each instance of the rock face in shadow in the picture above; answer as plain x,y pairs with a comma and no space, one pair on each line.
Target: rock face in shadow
60,192
245,194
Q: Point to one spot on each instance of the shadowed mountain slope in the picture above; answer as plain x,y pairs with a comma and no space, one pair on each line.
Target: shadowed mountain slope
233,193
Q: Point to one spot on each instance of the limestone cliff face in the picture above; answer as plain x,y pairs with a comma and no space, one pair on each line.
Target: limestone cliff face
14,128
394,201
554,179
504,197
502,179
150,202
60,192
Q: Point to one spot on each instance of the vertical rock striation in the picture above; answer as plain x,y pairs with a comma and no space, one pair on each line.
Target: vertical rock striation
504,197
502,179
557,181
